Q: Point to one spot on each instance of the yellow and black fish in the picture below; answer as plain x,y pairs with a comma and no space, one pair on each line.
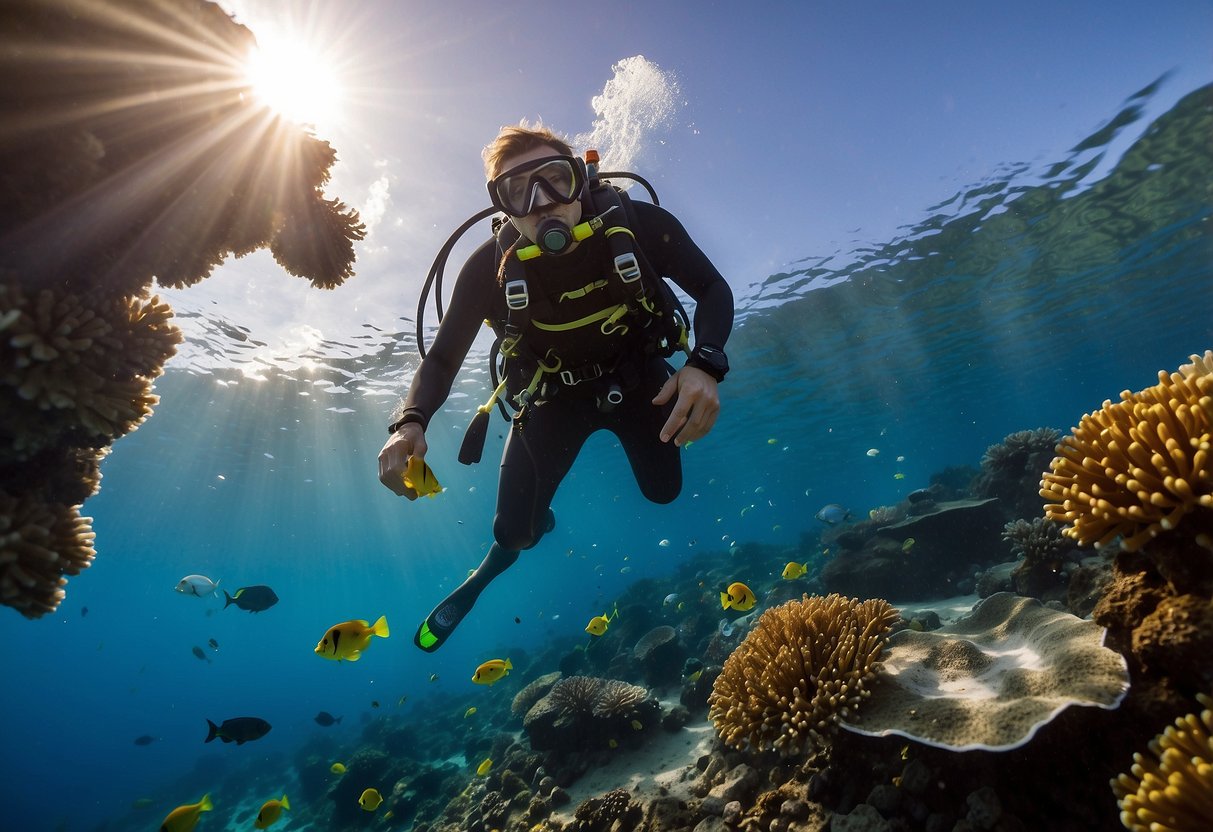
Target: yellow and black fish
420,477
492,671
370,800
271,810
599,623
794,570
185,818
347,640
738,596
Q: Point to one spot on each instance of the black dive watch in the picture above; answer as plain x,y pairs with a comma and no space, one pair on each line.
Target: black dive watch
711,360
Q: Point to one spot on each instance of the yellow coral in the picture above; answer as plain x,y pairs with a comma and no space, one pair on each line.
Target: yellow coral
1137,467
804,666
1172,789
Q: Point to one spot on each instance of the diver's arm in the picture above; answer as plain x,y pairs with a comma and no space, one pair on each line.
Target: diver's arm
674,254
469,306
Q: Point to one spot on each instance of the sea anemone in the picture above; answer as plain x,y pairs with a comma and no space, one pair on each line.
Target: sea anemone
805,665
1138,467
1172,788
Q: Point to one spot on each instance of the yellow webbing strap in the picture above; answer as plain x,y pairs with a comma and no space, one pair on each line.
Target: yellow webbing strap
583,291
611,313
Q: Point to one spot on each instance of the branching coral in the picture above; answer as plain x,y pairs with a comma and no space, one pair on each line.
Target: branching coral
1017,448
1140,466
805,665
1172,788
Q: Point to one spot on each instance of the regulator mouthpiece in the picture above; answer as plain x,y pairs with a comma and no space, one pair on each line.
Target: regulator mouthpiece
554,237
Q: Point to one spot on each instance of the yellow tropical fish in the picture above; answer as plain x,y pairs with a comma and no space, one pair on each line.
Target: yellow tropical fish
370,800
491,671
185,818
337,768
348,639
420,477
485,767
469,712
899,476
637,725
613,743
794,570
907,544
694,677
738,596
271,810
599,623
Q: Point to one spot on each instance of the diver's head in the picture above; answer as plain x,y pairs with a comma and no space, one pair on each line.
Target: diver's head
535,179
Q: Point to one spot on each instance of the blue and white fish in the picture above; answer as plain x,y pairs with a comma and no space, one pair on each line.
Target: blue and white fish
199,585
832,513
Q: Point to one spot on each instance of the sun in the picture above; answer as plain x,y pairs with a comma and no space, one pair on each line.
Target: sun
296,82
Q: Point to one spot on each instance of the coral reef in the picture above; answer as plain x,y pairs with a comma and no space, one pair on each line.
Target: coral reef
1141,466
991,680
1172,787
586,712
804,666
1011,470
944,535
114,179
1044,554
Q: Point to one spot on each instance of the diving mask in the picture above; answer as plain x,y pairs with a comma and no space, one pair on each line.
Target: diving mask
561,178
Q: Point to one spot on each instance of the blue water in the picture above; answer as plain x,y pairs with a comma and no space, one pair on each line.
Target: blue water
1023,302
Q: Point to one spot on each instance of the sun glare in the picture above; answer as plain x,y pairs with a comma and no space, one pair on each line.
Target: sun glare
295,82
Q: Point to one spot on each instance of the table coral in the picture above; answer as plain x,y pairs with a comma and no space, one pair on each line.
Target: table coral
805,665
1172,787
1138,467
991,680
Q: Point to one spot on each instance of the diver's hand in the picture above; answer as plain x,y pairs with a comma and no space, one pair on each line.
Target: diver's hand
408,441
694,411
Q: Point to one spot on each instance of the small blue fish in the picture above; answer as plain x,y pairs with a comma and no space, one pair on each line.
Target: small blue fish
832,514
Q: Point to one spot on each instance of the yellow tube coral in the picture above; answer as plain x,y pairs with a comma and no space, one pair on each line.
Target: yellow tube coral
1138,467
804,666
1172,789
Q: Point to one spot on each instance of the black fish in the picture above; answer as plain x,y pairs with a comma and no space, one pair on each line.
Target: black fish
239,729
83,611
326,719
214,644
198,652
146,739
252,598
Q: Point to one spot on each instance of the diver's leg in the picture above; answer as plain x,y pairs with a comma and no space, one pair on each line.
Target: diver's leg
537,455
637,422
445,617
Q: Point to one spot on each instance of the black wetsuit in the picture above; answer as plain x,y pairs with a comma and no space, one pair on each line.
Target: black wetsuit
542,447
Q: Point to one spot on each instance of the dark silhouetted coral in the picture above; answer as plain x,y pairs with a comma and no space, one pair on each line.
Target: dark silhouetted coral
157,168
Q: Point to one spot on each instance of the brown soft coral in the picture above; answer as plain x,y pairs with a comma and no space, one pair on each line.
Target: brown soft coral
39,543
805,665
1141,466
1172,788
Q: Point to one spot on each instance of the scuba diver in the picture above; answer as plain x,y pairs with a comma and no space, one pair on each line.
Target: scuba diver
572,285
